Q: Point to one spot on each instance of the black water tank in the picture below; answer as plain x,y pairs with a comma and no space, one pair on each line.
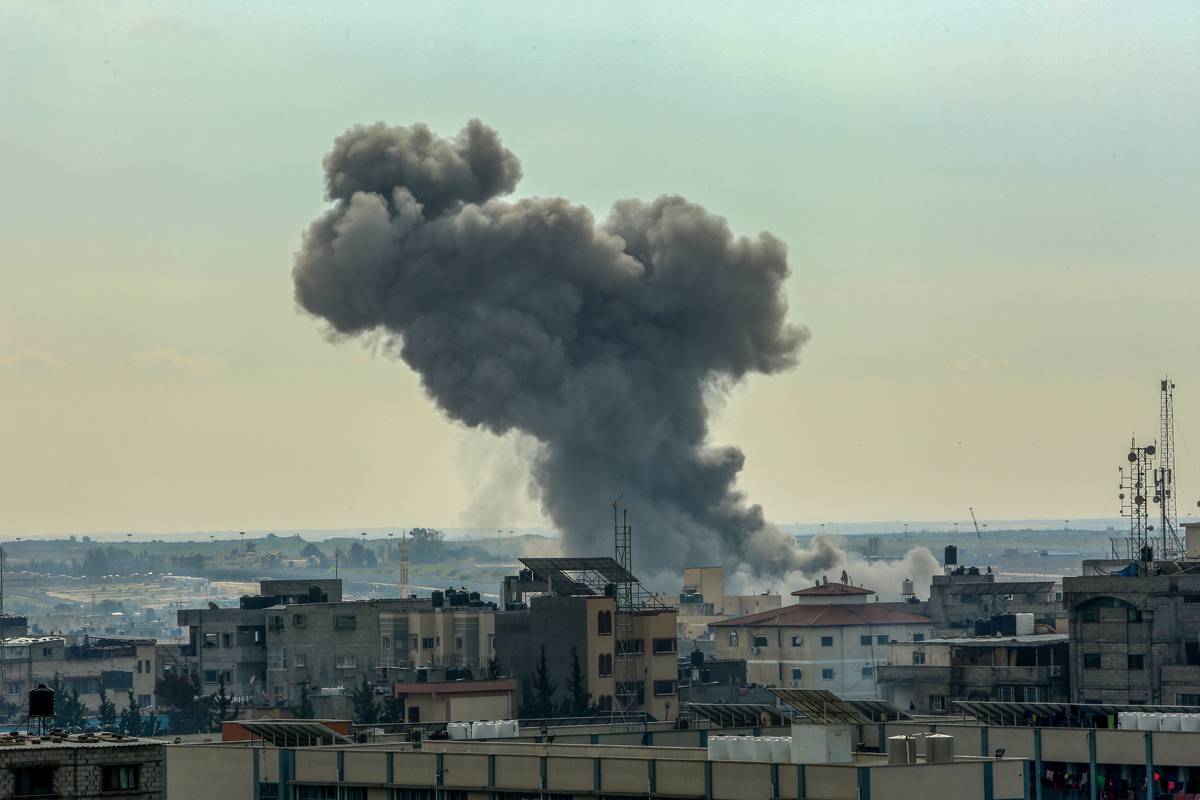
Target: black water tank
983,627
474,597
437,598
697,658
41,701
951,557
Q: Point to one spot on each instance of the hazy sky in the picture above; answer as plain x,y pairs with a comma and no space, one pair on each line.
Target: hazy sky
992,211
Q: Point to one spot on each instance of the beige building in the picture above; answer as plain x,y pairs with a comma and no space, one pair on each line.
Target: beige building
452,701
835,645
117,666
704,601
675,766
81,768
568,605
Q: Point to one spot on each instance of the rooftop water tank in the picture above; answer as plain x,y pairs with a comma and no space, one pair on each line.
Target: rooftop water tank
459,730
902,750
939,749
781,749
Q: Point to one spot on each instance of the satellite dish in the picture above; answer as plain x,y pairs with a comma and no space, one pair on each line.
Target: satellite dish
1149,449
1132,457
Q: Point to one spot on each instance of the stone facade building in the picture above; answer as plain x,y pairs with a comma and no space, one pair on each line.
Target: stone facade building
1135,632
81,768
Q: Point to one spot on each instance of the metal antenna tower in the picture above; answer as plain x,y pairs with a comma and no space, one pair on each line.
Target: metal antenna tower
1135,484
628,661
1164,475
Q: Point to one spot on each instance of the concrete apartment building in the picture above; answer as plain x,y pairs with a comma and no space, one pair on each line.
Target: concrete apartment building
966,594
117,666
831,638
565,604
927,677
1135,629
81,768
301,633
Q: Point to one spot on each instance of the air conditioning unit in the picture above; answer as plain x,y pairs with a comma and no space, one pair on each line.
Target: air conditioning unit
1056,671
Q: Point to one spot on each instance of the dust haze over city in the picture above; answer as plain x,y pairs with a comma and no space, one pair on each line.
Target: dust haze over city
866,323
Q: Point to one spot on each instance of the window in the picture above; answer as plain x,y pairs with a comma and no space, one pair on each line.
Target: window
1035,694
826,641
268,791
49,651
308,792
345,662
1091,661
1089,615
298,660
276,623
33,781
631,646
226,640
636,688
868,671
345,623
797,641
881,639
458,643
139,666
760,641
604,665
918,637
1184,699
426,642
665,645
826,674
918,657
210,676
298,621
210,640
604,623
277,658
937,702
144,700
663,688
733,638
797,674
1136,661
865,641
119,776
414,714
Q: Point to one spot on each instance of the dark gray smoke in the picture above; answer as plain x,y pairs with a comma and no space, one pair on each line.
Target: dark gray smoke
600,341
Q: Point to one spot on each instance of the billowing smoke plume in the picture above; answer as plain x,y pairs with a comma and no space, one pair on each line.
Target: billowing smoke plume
822,558
599,341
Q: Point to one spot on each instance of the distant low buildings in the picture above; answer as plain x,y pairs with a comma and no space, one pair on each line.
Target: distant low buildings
117,666
299,639
703,601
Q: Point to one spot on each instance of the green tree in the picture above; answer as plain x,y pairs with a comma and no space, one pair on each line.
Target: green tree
69,711
494,670
107,711
543,688
180,696
578,702
393,710
366,710
305,710
222,704
131,718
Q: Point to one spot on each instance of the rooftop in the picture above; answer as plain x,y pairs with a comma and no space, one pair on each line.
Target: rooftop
831,590
801,616
1031,640
60,739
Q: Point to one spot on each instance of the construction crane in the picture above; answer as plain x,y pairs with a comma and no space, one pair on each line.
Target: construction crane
976,522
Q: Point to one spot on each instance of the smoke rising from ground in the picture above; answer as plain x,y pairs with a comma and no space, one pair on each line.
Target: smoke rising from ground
823,558
599,341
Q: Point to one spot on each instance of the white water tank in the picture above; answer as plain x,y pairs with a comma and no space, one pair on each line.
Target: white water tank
1172,722
902,750
822,744
781,749
939,749
761,749
1126,721
1148,722
1024,624
1190,722
718,748
741,748
458,730
483,729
